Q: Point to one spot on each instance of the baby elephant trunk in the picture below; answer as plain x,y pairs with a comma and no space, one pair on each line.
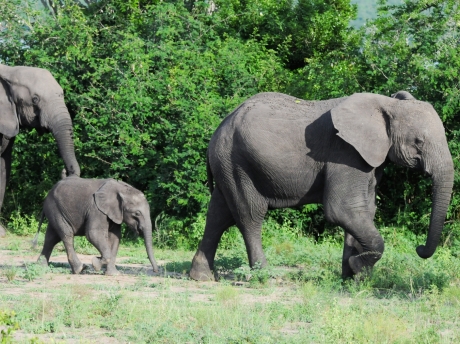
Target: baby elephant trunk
149,245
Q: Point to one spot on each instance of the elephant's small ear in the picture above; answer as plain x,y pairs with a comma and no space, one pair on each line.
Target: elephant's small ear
110,201
9,125
360,122
402,95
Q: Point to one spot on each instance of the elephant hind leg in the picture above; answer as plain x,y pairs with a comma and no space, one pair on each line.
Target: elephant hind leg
51,239
74,262
249,208
218,219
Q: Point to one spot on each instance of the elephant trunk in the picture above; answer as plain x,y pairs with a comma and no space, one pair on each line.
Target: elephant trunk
443,180
149,246
61,127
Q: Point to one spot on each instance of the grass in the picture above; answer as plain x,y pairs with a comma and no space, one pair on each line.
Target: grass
299,298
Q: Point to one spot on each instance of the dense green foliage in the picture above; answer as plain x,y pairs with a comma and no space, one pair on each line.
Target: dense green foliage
148,81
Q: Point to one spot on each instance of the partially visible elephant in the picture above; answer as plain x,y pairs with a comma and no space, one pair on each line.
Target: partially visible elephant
95,208
31,98
277,151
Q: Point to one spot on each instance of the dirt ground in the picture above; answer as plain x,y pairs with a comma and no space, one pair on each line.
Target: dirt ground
129,276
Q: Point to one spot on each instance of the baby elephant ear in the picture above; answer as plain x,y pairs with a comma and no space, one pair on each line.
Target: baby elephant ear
109,201
360,122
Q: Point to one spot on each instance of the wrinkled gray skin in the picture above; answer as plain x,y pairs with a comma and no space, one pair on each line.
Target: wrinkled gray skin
95,208
276,151
32,98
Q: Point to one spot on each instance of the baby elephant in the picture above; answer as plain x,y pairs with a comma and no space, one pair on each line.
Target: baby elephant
95,208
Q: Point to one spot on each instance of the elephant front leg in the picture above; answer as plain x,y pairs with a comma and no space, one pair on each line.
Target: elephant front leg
99,237
349,203
351,248
114,240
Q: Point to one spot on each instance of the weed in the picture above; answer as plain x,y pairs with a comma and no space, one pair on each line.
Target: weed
34,270
227,295
256,276
10,273
14,246
9,324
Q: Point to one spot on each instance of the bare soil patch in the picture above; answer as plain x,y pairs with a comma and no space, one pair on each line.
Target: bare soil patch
134,279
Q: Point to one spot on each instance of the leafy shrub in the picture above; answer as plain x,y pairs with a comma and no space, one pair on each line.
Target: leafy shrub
8,319
23,224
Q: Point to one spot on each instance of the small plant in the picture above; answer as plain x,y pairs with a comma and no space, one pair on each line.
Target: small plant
243,273
255,276
10,273
14,246
34,270
9,325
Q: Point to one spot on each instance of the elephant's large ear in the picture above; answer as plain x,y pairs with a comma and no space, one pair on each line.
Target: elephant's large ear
360,122
9,125
109,200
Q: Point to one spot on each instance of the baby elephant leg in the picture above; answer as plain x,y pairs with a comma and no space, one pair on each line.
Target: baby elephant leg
51,239
114,241
74,262
66,233
99,238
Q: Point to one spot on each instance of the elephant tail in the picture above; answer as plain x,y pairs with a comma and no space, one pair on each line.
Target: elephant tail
35,241
209,173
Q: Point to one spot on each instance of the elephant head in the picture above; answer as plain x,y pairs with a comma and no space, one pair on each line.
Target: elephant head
123,203
31,98
410,133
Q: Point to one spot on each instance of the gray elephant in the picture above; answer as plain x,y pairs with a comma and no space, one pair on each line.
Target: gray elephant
95,208
277,151
32,98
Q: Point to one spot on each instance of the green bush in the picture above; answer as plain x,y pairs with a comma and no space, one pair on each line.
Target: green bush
147,82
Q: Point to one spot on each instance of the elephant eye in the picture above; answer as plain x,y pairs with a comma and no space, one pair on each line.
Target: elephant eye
35,100
137,213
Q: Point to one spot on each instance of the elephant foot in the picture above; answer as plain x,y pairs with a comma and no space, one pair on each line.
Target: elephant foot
97,263
347,271
112,272
2,231
200,270
42,260
78,269
364,262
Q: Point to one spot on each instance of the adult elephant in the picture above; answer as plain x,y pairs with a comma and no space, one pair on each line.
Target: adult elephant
31,98
277,151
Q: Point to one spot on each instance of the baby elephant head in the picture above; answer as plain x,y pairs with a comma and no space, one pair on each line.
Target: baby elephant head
123,203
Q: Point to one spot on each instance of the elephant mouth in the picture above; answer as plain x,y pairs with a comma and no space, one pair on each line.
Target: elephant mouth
138,230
